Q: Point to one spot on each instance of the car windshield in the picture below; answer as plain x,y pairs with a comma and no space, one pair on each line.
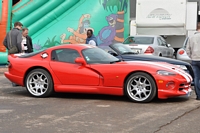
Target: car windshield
122,49
97,55
139,40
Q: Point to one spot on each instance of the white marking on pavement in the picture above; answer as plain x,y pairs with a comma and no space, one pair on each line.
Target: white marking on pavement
103,106
5,111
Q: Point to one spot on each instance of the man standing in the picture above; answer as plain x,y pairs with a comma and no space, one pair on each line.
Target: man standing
26,42
91,39
193,51
13,37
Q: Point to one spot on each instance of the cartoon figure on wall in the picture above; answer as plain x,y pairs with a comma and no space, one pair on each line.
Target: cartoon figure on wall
118,34
107,34
79,36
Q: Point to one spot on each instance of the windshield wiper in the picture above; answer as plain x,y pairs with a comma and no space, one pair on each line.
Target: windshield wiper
129,53
115,61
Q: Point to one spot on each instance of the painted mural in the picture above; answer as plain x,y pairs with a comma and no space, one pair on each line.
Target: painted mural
78,35
50,24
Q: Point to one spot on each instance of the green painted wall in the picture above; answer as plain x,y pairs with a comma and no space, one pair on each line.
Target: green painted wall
56,22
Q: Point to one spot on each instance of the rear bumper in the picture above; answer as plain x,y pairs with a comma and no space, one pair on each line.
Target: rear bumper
184,58
15,79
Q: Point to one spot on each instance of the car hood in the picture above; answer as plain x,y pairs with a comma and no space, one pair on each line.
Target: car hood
162,66
157,65
129,57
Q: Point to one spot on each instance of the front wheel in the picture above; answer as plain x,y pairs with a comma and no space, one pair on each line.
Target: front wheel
39,83
140,87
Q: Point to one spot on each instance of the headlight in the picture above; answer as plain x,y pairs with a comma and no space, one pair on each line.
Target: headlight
165,73
182,67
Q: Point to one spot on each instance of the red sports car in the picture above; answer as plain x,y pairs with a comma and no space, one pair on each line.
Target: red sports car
87,69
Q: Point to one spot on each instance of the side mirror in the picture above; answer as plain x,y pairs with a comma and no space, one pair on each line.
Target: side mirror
168,45
80,60
112,53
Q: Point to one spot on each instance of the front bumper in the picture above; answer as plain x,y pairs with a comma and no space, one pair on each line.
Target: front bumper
180,88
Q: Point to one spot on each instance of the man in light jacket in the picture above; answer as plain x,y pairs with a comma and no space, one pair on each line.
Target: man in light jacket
193,51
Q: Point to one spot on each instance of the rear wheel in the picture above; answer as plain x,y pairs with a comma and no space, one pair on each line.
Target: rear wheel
39,83
140,87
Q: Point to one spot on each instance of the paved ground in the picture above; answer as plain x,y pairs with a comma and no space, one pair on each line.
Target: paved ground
3,69
79,113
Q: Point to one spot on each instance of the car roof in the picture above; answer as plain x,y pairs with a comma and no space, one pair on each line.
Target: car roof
74,46
145,36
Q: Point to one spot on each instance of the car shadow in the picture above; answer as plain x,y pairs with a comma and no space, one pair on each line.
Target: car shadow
21,91
171,100
82,96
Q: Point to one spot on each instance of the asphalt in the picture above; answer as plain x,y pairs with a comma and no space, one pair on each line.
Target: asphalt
3,69
88,113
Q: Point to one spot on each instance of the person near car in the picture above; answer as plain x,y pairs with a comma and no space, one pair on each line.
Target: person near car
91,39
193,51
26,42
14,36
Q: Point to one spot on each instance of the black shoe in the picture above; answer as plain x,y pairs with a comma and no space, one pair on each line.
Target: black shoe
197,98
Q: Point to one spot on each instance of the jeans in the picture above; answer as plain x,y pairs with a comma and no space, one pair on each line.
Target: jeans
196,69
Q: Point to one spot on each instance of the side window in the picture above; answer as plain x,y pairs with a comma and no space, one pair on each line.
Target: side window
64,55
159,42
162,42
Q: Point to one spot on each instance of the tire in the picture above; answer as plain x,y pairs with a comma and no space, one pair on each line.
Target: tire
39,83
140,87
174,56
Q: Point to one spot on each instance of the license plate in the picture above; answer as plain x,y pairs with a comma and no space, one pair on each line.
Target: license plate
136,50
189,92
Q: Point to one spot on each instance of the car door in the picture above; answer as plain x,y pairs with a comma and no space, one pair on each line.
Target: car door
169,50
68,72
162,47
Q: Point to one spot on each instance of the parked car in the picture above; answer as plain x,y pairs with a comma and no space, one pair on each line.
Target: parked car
124,53
89,69
150,44
181,53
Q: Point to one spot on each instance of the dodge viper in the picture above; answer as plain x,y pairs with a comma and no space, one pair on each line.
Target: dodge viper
80,68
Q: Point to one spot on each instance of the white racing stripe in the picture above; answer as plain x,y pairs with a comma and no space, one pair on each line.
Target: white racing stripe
169,66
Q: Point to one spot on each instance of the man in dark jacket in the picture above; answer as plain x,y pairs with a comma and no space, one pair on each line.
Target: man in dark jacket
26,42
91,39
15,37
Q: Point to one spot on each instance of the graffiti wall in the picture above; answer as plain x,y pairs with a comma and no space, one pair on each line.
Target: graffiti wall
60,22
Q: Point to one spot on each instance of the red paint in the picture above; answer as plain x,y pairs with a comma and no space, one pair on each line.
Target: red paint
81,77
